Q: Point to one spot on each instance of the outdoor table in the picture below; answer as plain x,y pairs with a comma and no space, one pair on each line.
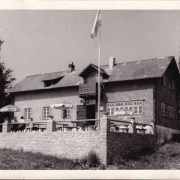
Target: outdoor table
124,128
141,130
17,126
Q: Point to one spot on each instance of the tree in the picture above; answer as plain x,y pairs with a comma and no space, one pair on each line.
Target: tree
6,80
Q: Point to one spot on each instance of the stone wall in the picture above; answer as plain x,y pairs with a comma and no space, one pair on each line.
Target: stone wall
61,144
165,134
77,144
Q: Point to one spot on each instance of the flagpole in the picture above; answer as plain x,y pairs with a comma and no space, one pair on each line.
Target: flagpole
99,64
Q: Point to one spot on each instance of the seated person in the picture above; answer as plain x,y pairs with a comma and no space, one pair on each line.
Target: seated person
14,126
21,126
6,120
30,125
14,120
22,119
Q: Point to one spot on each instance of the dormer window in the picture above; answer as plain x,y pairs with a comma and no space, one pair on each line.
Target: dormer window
53,78
51,82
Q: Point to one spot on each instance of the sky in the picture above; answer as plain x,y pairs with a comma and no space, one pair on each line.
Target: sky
43,41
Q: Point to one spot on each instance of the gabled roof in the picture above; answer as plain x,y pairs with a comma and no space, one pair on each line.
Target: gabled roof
85,71
34,82
55,75
144,69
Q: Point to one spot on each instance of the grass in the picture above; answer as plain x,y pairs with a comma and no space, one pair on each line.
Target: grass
166,156
19,160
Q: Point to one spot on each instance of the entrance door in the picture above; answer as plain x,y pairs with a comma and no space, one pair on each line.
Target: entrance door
90,112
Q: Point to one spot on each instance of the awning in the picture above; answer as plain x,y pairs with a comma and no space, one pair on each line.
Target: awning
10,108
59,106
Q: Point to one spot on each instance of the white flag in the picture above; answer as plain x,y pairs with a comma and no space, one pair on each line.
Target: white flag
97,24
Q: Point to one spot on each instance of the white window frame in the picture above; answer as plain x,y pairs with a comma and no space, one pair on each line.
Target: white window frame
139,106
46,112
126,105
68,113
27,113
111,108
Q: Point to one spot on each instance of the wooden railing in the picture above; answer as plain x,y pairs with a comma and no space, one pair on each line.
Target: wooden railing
27,127
88,89
77,125
130,127
142,128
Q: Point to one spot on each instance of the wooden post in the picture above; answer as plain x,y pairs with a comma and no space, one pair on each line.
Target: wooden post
133,125
5,128
51,126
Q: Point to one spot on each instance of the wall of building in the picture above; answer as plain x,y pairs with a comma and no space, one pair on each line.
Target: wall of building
38,99
133,90
169,97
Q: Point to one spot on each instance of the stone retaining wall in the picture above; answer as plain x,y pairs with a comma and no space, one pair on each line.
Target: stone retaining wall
75,145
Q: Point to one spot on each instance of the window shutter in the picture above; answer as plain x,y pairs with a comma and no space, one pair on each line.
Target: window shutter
81,112
64,113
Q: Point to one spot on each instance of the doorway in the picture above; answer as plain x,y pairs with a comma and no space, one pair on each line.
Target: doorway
90,112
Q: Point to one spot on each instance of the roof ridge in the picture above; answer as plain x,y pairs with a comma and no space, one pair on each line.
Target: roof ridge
165,57
101,65
50,73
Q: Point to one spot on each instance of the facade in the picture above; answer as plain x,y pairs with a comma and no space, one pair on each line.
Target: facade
148,89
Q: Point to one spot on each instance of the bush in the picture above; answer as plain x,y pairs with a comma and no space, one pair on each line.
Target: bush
91,160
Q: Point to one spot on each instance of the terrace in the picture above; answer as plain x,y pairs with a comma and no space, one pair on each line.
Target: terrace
75,139
118,126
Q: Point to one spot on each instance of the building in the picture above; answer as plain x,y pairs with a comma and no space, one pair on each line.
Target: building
148,89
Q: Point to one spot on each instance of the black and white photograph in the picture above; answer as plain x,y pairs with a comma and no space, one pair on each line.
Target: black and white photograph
89,89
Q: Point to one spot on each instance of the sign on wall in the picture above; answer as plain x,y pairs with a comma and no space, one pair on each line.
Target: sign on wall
88,102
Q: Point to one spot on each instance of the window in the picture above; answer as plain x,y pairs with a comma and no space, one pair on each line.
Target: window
27,113
46,112
168,82
162,109
173,85
138,107
164,81
66,113
167,110
111,108
135,106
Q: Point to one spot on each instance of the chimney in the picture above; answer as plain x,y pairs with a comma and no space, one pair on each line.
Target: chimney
112,62
71,67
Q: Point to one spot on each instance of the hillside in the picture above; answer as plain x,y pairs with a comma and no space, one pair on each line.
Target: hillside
165,157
